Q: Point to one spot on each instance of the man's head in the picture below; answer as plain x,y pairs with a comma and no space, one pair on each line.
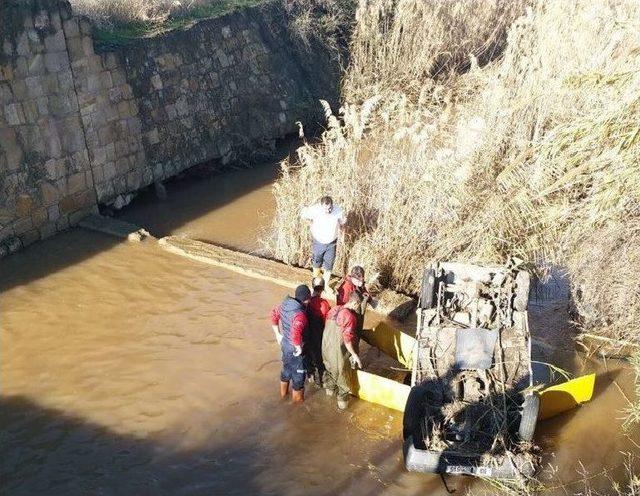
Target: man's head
357,276
355,300
318,284
327,204
303,293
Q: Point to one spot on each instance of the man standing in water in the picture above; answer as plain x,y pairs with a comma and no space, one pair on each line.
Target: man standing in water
339,350
317,311
289,323
326,221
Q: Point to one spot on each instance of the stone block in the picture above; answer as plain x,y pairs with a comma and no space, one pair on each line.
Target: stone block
31,113
87,46
99,156
23,225
62,223
153,136
5,93
76,183
105,78
47,230
71,28
53,213
41,21
55,42
24,205
35,65
49,193
110,171
156,82
39,216
65,81
14,114
85,27
118,77
56,61
22,45
76,48
43,106
77,216
111,151
105,135
13,244
30,237
104,191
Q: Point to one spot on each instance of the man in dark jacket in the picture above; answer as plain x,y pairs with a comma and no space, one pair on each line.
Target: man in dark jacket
317,311
340,350
289,323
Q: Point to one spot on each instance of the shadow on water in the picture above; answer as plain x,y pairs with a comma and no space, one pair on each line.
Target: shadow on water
201,190
46,451
200,195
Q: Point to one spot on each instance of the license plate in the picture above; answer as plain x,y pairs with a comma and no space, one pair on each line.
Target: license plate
469,470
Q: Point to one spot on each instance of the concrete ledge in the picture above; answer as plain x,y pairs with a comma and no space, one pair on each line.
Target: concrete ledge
389,303
114,227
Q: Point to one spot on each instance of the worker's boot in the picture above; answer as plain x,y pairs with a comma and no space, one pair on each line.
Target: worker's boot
297,396
317,272
327,279
284,389
343,403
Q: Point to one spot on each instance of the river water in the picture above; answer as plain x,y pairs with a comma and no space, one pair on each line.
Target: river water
129,370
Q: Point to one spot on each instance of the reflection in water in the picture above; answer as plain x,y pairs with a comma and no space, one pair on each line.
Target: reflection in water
129,370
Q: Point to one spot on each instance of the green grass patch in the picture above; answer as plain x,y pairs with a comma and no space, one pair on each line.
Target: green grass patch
124,34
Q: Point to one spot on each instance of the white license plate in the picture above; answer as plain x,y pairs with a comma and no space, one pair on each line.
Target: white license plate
467,469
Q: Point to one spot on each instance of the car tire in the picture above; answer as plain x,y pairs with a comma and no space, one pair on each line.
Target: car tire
529,417
414,412
428,289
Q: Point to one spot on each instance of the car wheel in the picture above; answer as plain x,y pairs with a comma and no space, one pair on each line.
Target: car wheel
529,417
414,412
428,289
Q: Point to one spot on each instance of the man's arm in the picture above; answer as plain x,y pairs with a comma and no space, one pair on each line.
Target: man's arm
298,326
354,355
275,320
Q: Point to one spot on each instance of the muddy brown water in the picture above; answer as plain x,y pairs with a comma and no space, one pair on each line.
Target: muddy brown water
128,370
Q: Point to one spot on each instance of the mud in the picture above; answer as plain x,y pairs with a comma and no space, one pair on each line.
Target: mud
128,370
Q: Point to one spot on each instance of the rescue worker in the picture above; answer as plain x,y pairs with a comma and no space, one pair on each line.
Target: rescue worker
326,220
340,350
354,282
289,323
317,311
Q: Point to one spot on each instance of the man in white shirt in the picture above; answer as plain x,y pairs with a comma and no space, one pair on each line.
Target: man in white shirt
327,220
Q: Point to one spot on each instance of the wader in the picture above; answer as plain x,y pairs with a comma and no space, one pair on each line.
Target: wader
339,377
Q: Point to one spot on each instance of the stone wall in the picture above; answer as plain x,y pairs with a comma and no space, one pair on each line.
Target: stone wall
80,126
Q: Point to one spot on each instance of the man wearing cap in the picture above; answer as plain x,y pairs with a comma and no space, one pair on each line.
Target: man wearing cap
340,350
326,221
289,323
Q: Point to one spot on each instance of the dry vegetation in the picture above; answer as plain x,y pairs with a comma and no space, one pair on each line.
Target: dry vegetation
445,151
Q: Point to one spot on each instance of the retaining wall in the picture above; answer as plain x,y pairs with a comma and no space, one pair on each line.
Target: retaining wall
81,124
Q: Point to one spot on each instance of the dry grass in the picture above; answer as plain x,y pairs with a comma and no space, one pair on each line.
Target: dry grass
535,154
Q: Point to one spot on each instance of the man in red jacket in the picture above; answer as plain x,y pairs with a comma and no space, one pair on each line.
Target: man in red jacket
340,350
317,311
354,283
289,323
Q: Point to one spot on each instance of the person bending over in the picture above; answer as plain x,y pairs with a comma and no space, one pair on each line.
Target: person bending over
340,350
